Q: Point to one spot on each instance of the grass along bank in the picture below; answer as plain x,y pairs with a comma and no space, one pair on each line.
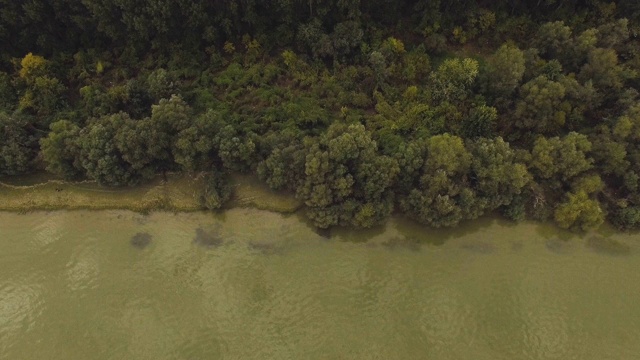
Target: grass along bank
180,192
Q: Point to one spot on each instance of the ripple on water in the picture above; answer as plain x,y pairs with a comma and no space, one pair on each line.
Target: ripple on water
203,344
20,305
292,314
320,300
441,319
82,269
47,231
546,334
499,326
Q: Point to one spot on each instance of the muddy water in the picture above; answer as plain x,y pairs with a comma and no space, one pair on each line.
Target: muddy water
249,284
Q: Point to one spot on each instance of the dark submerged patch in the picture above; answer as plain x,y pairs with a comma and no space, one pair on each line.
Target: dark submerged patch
478,247
407,243
206,239
517,246
608,246
556,245
266,248
141,240
325,233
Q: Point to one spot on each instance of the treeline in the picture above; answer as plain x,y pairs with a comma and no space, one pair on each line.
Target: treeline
326,28
443,110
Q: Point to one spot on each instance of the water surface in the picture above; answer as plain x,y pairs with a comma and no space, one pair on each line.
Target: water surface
249,284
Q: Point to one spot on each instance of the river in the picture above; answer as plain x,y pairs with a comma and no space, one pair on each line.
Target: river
250,284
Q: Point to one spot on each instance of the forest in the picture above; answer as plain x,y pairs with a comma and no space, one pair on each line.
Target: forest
443,110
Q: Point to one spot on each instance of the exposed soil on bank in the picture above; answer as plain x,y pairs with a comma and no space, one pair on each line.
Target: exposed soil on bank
180,192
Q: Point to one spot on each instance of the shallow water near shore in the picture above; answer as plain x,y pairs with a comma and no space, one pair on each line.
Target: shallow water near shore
252,284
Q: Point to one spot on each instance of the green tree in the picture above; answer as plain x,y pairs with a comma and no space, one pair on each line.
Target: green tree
216,192
148,144
627,218
505,70
613,34
60,149
346,37
43,97
33,67
589,184
8,94
411,156
284,165
236,149
417,65
604,71
580,48
379,66
18,145
43,94
136,100
195,147
346,182
162,84
553,38
563,159
481,122
137,146
453,79
609,153
168,118
497,175
580,212
100,155
442,196
541,106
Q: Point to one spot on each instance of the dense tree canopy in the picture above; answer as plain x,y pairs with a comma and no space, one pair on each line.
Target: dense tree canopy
443,110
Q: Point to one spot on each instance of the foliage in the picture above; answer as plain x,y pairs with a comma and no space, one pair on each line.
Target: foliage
216,191
498,174
559,159
60,149
505,70
103,156
18,145
541,107
553,38
480,122
578,211
43,93
441,197
345,181
627,218
7,92
604,71
33,67
442,109
453,79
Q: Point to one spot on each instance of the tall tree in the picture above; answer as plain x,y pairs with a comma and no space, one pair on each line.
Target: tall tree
346,181
18,144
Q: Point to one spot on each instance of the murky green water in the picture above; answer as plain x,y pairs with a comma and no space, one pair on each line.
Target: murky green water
256,285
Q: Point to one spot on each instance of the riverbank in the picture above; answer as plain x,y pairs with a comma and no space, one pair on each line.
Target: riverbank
180,192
